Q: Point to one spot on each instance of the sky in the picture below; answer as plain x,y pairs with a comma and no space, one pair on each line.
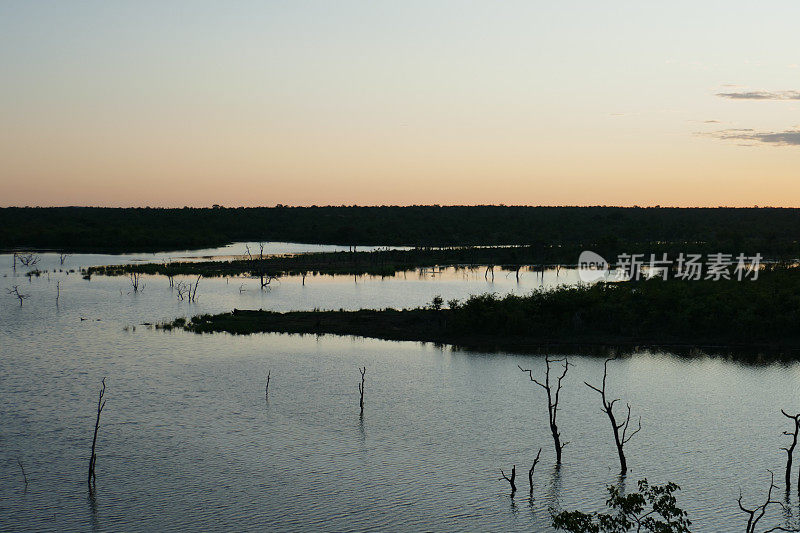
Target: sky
173,103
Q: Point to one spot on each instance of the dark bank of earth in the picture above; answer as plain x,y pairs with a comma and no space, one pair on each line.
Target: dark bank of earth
747,319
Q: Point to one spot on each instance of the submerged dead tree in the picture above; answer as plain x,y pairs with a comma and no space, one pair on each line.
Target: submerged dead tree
361,388
193,289
14,291
260,270
93,459
530,472
553,392
266,389
620,439
790,450
757,513
135,278
510,479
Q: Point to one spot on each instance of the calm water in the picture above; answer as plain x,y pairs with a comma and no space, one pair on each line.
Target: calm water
188,442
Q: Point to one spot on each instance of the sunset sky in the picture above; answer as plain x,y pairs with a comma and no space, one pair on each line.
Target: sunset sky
174,103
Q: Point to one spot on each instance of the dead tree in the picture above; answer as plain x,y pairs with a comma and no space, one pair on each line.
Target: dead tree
28,260
608,408
530,472
24,475
553,391
63,257
790,450
757,513
193,289
260,270
361,388
14,291
135,278
266,389
93,460
510,479
181,288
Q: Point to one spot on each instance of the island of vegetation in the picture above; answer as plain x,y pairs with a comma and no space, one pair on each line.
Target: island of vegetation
748,319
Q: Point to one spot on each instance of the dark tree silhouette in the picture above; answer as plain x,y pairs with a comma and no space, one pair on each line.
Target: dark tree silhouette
260,269
101,403
510,479
553,391
266,389
14,291
757,513
530,472
608,408
24,475
361,389
790,450
135,278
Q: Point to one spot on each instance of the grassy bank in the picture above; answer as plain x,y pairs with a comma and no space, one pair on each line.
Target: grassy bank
387,262
723,316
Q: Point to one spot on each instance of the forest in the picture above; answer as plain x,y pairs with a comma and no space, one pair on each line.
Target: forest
92,229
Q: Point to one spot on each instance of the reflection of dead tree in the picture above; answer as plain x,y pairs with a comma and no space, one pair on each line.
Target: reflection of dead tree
361,388
530,472
608,409
260,270
14,291
489,268
510,479
58,291
242,288
193,289
135,278
186,290
181,288
552,400
266,389
758,512
790,450
100,404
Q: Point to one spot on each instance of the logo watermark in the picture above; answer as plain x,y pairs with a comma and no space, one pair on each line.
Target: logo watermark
694,267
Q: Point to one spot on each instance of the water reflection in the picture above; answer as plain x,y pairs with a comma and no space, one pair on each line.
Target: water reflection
187,413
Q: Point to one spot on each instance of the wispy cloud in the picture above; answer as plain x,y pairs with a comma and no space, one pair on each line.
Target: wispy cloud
775,138
762,95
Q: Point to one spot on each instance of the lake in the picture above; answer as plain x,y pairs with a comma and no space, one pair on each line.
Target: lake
188,442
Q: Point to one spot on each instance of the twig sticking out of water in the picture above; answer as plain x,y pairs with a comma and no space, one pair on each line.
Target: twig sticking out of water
100,404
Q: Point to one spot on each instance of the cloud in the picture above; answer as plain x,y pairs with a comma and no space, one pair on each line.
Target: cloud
761,95
775,138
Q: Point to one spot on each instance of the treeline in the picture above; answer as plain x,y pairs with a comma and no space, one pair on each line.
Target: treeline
750,316
767,230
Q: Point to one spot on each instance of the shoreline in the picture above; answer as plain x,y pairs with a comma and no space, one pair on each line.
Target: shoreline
431,326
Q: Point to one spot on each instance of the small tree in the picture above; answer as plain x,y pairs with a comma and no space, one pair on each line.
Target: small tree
653,509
